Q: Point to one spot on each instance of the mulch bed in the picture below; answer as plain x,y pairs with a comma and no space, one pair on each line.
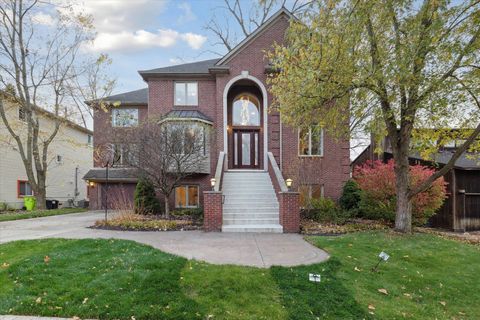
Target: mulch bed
310,227
133,222
120,228
467,237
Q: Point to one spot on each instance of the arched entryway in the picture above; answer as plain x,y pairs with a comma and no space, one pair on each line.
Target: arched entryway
245,125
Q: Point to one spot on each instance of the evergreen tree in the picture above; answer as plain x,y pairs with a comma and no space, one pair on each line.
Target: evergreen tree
145,199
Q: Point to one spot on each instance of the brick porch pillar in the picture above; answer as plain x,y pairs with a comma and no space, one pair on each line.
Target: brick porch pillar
212,211
289,203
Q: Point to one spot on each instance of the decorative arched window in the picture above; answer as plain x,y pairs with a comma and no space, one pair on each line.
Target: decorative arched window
245,110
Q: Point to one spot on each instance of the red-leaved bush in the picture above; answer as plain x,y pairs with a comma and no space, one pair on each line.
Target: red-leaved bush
377,182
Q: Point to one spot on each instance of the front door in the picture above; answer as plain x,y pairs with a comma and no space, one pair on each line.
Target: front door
245,149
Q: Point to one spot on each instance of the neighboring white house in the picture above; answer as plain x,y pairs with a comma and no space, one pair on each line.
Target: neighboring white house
69,158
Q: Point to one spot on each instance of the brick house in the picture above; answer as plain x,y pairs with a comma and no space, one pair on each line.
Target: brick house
252,152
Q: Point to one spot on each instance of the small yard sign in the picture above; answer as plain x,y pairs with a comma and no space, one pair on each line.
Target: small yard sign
384,256
314,277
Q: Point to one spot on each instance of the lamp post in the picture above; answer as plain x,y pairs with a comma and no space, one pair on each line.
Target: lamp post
212,183
289,183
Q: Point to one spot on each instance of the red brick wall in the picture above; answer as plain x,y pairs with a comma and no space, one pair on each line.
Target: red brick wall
103,132
331,170
289,211
212,220
252,59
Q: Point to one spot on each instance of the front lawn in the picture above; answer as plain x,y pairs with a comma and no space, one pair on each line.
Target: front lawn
426,277
18,215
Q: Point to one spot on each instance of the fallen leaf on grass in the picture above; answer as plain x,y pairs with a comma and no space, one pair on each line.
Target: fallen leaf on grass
46,259
85,300
356,269
5,265
443,303
38,300
407,295
371,307
384,291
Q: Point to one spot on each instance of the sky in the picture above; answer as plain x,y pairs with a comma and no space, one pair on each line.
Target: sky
147,34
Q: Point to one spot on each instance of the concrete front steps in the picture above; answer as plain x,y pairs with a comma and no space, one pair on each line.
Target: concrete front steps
250,203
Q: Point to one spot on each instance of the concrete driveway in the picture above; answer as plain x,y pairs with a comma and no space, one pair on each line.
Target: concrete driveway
248,249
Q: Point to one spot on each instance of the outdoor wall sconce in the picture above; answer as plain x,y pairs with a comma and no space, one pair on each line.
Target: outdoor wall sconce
289,183
91,184
212,183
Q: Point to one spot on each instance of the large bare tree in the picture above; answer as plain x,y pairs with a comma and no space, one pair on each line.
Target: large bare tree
39,55
235,19
164,152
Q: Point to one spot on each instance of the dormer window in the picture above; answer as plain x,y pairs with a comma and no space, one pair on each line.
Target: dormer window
186,93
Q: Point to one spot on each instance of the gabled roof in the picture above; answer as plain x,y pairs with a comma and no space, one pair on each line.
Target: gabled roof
180,115
200,67
282,12
51,115
131,97
466,161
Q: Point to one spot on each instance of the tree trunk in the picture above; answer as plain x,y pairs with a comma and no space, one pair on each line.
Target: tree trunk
41,190
41,196
403,218
167,206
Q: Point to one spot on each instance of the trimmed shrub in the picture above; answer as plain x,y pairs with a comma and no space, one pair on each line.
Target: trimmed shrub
351,196
194,213
145,199
378,201
326,210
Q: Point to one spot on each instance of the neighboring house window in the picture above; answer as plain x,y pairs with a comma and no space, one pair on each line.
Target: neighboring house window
21,113
124,117
186,93
89,139
310,142
59,159
310,191
24,189
124,154
186,196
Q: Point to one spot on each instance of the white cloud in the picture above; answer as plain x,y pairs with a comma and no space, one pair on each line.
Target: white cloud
187,15
43,19
142,39
195,41
125,15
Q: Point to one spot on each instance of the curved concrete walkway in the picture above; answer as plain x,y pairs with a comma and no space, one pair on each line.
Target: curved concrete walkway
248,249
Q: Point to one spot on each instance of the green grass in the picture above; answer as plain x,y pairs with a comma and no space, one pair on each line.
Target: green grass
8,216
110,279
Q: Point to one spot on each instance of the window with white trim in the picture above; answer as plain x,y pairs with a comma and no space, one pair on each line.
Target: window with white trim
186,196
186,93
310,141
124,117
